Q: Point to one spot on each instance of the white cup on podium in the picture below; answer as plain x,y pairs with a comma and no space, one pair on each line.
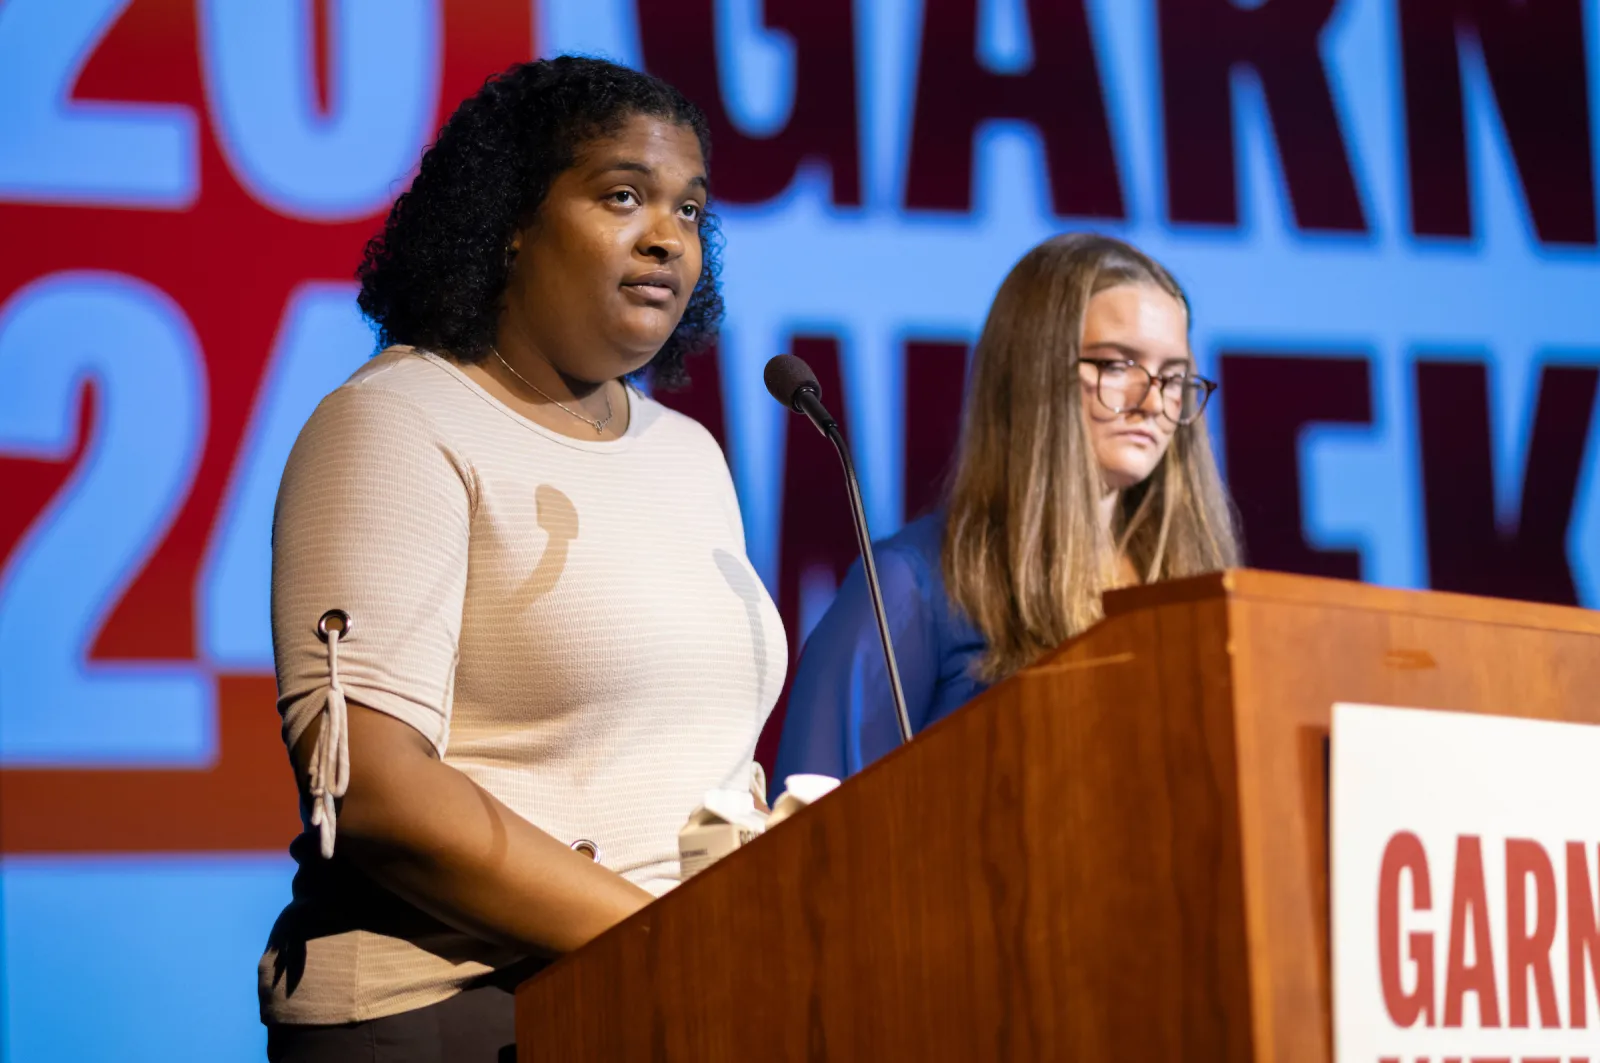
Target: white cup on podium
799,791
727,819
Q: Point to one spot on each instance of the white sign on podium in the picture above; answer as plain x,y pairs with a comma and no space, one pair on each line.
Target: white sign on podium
1465,887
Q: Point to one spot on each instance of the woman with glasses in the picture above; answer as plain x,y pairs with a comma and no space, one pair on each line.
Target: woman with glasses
1083,465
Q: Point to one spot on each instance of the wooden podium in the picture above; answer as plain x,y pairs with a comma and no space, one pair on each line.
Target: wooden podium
1120,853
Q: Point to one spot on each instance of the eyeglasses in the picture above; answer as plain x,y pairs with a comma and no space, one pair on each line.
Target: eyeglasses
1122,385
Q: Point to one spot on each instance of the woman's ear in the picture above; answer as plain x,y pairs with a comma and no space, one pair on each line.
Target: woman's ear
523,227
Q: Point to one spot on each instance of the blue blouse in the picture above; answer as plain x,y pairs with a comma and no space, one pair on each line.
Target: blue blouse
841,716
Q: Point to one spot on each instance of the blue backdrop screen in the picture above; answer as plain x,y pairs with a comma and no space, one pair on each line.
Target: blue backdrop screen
1384,212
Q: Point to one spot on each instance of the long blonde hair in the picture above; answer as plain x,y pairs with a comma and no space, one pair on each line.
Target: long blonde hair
1024,553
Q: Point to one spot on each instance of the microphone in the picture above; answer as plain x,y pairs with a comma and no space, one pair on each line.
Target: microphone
791,381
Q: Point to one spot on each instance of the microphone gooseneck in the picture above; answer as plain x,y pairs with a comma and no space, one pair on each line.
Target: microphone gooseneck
792,383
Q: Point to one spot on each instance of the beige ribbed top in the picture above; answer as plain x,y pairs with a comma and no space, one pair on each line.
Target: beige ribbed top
572,623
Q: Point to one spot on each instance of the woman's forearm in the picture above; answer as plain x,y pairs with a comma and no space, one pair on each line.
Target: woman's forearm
436,838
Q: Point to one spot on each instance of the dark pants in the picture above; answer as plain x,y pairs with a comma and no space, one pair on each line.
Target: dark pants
474,1026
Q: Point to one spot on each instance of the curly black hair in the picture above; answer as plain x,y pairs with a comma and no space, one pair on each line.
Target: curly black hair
435,277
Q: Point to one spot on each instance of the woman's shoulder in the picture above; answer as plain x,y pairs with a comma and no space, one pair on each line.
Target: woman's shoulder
915,555
658,421
399,410
677,446
916,545
416,399
403,376
396,389
908,567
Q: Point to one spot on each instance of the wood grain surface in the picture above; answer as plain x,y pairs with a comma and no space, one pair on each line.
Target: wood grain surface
1120,853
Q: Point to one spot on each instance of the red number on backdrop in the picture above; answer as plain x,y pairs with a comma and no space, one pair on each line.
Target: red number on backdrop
160,199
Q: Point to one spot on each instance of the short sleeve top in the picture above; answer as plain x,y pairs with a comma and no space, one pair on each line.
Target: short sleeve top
571,623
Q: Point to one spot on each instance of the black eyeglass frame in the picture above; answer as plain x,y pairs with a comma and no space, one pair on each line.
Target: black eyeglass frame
1100,364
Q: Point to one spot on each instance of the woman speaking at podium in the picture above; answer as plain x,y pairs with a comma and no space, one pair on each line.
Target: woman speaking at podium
1083,465
516,634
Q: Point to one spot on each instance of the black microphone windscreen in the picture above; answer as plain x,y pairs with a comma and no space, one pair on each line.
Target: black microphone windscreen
786,375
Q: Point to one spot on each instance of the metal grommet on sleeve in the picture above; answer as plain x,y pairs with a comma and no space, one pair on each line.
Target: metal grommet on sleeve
329,769
587,848
335,620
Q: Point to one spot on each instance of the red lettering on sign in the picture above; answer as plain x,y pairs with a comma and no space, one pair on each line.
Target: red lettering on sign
1404,854
1469,909
1528,951
1583,933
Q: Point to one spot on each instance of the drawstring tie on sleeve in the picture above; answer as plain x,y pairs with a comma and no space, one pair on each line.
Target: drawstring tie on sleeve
330,759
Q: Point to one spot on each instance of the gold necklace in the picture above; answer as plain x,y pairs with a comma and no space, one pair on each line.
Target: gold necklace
598,426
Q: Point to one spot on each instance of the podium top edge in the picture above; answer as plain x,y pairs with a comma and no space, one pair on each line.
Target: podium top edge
1243,584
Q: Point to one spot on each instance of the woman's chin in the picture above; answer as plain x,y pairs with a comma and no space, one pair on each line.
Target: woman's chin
635,347
1123,475
644,325
627,354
